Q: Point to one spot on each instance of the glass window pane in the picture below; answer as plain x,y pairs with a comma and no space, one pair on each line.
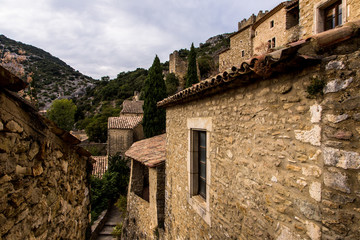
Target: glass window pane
202,139
202,154
202,170
202,188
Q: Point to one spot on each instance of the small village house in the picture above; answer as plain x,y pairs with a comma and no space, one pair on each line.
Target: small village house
146,199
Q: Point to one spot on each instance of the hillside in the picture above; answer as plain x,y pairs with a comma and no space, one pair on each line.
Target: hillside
52,78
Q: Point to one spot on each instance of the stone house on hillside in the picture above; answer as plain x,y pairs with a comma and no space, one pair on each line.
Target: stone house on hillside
146,194
44,175
127,128
269,150
100,165
287,22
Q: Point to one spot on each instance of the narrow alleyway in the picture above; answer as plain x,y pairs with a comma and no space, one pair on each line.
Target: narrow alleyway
114,219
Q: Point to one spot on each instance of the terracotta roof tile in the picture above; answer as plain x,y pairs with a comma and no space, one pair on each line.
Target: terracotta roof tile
100,166
133,107
124,122
150,151
293,55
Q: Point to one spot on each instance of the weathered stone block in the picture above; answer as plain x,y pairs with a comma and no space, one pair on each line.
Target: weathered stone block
337,85
19,170
336,118
34,150
315,191
313,231
315,111
337,65
37,170
343,135
312,136
13,126
341,158
337,180
351,104
312,171
309,210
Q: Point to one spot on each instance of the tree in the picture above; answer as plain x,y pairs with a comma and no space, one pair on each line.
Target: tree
192,76
62,112
172,83
154,91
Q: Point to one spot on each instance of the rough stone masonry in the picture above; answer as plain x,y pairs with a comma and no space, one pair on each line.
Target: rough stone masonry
44,178
284,164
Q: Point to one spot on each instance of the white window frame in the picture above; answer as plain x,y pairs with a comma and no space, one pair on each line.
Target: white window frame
198,203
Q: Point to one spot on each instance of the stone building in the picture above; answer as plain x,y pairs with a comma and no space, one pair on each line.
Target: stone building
44,175
276,28
122,132
269,150
146,195
178,66
127,128
286,23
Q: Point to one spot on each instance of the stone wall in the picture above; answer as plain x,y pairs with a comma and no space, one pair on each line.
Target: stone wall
44,187
310,15
264,32
178,66
119,140
144,218
283,164
239,42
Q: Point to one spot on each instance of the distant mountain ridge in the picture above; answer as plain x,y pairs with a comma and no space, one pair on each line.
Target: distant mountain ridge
52,77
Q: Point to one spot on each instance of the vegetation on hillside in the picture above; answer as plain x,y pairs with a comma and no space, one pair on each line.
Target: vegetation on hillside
154,91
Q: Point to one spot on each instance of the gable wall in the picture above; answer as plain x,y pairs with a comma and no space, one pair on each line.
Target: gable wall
283,165
232,57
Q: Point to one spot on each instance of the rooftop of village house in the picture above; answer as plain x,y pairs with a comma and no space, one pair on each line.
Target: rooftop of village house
150,151
290,56
100,165
124,122
135,107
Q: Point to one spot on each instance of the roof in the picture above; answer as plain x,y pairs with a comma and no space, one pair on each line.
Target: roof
290,57
272,12
9,81
135,107
100,166
150,151
124,122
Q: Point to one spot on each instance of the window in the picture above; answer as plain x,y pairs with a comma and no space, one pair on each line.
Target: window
199,166
242,53
329,14
333,15
200,147
271,23
140,180
273,43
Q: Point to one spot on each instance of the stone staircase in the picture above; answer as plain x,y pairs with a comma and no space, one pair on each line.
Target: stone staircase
114,218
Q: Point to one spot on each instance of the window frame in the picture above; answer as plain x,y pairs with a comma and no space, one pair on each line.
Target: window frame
272,23
201,204
319,14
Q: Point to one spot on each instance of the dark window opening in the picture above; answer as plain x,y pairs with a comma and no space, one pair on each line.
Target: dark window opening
271,23
140,180
242,53
333,15
202,163
273,43
292,17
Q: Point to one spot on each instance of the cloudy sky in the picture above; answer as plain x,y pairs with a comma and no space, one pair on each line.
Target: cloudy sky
105,37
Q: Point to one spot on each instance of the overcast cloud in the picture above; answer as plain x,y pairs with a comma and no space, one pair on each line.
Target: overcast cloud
106,37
